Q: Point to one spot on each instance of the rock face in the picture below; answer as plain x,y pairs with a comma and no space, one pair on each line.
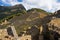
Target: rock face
54,25
55,19
55,22
34,32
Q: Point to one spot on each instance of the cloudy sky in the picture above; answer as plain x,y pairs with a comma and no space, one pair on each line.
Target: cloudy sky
48,5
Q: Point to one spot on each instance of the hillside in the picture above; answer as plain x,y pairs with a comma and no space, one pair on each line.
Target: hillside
22,19
7,11
31,18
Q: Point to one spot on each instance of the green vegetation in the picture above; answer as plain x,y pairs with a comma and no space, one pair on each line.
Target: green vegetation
38,10
6,12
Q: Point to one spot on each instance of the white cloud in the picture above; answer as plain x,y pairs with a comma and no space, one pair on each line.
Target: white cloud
11,2
48,5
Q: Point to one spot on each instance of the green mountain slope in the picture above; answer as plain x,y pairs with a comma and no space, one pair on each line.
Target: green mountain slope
7,11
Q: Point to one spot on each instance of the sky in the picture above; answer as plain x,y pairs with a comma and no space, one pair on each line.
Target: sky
47,5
